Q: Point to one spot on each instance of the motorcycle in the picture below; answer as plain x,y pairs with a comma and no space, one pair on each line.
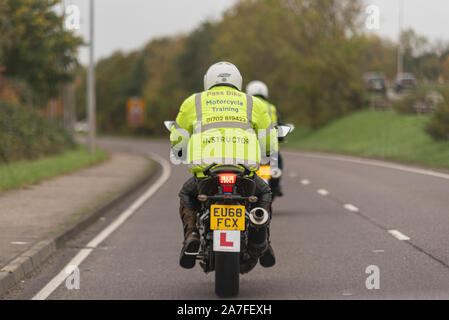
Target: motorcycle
270,172
231,232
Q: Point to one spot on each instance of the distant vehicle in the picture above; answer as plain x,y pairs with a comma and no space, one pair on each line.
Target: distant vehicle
404,81
81,127
375,82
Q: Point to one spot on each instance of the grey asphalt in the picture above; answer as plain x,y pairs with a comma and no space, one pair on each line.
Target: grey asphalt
35,213
323,250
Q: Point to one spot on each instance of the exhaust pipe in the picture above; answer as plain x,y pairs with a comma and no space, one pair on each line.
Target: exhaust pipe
258,231
276,173
259,217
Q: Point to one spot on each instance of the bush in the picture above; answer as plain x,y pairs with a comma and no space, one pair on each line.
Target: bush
438,127
25,134
408,103
423,100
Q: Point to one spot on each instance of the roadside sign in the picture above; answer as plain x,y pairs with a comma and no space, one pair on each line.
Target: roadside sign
135,112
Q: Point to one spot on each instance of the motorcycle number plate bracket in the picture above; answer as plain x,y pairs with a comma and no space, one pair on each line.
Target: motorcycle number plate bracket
227,240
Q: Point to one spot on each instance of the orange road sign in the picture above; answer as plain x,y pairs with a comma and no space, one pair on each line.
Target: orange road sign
135,112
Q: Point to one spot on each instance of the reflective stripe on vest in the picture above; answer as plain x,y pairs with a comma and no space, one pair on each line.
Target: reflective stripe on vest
224,160
269,110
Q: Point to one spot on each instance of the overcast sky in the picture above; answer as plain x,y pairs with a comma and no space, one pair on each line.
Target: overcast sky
128,24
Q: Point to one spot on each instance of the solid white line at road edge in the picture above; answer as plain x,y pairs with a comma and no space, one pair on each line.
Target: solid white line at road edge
398,235
45,292
376,163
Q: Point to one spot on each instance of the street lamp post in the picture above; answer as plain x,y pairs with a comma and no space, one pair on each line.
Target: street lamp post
91,83
400,17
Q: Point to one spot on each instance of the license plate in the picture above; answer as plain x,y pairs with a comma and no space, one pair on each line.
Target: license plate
226,217
264,172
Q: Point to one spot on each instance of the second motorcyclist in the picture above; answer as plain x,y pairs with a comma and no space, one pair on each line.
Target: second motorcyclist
259,89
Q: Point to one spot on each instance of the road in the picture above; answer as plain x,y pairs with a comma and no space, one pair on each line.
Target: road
339,216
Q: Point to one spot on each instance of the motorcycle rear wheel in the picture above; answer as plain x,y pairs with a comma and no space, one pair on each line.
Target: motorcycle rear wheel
227,272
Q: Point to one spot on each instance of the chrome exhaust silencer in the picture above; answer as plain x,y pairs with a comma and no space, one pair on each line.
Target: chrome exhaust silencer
258,231
259,217
276,173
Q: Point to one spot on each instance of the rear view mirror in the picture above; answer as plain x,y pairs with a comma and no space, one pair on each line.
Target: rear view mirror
169,125
284,130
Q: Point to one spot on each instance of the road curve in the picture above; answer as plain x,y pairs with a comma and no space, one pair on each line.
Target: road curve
338,221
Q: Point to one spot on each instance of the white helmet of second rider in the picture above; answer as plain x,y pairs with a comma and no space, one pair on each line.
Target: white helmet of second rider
257,88
223,73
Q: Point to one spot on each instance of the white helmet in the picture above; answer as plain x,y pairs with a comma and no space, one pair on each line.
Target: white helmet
257,88
223,73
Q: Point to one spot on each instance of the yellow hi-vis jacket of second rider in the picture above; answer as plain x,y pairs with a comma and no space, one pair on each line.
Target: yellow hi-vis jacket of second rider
224,126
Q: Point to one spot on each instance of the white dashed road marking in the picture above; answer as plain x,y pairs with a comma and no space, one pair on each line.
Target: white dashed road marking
322,192
398,235
351,207
305,182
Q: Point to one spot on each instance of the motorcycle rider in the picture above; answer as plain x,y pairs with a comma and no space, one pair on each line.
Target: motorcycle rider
259,89
221,125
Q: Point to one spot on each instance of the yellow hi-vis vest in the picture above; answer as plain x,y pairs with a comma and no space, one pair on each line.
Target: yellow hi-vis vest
224,126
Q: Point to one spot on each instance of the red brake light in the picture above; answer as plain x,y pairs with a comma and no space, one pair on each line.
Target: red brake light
227,188
227,178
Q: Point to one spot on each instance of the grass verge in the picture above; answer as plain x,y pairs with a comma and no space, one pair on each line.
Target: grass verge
382,135
19,174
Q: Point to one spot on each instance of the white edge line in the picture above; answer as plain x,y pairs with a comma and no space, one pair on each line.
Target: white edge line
375,163
398,235
45,292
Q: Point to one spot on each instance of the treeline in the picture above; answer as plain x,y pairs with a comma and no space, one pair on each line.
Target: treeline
311,54
306,51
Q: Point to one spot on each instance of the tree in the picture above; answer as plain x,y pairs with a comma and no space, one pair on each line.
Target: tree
114,77
445,69
379,55
306,51
164,89
40,51
5,32
438,126
196,57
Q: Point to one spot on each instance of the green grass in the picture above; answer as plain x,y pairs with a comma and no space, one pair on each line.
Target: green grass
382,135
22,173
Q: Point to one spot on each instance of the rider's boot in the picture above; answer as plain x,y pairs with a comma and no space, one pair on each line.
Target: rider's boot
191,242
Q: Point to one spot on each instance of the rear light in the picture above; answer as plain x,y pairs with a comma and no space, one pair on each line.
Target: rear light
227,188
227,178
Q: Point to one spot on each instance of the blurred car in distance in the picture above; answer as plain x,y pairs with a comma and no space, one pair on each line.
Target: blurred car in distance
404,81
375,82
